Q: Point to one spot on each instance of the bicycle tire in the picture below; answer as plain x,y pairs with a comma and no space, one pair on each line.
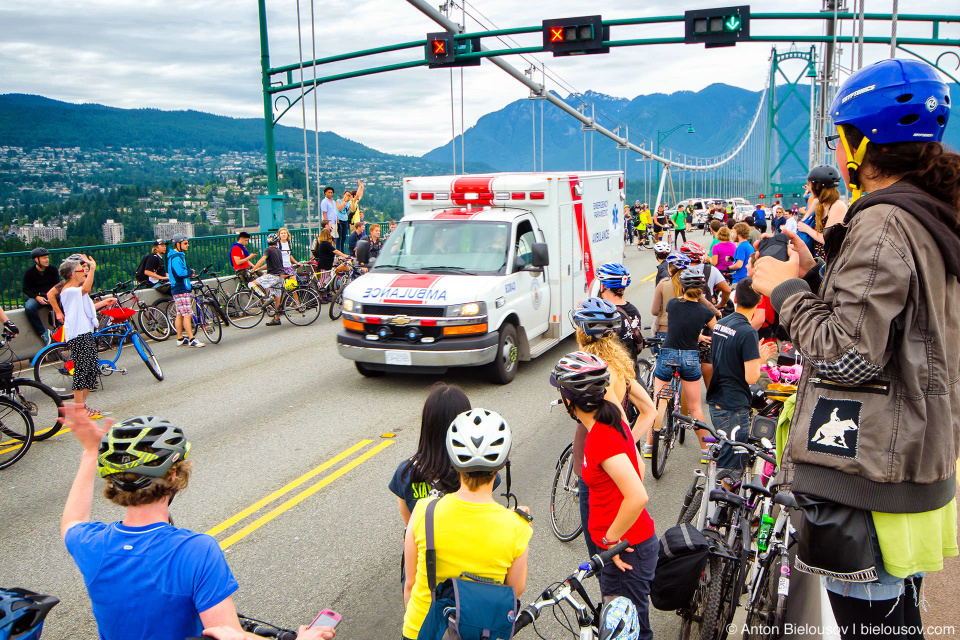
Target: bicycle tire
714,621
336,305
644,372
301,306
146,354
50,369
689,512
559,503
247,309
768,609
682,435
42,403
662,441
208,313
154,323
16,432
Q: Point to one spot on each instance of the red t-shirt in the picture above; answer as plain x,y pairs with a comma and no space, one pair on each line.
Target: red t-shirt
604,442
237,254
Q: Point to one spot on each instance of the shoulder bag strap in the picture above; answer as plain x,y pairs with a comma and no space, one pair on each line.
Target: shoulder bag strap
431,553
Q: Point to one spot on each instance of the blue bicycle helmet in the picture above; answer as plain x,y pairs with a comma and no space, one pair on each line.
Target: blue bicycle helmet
596,317
894,101
619,620
22,613
678,260
613,275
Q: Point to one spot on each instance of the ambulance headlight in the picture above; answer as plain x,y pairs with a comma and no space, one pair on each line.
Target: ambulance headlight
353,307
468,309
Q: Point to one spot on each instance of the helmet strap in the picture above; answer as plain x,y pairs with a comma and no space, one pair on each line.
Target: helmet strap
854,160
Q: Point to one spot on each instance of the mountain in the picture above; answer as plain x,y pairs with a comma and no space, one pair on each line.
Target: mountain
720,115
30,121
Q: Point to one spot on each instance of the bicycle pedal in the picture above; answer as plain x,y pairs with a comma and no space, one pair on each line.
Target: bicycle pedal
123,372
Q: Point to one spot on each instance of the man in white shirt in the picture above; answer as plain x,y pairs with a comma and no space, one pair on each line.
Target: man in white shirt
791,222
329,208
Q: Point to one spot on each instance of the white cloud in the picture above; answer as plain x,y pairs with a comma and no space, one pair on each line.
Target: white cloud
205,55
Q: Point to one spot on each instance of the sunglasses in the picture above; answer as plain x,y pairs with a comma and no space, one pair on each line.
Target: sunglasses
831,141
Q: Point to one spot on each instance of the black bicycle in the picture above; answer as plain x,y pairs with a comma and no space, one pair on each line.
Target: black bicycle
16,432
42,403
665,431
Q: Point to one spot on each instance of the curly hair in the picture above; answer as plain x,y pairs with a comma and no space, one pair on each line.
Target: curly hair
175,479
610,349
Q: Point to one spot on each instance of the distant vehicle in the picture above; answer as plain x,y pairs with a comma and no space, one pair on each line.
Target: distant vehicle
742,211
701,209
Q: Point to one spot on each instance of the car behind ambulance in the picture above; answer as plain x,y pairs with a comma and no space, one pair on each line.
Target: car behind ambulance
482,270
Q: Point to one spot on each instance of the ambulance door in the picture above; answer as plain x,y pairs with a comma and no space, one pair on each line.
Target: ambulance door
527,291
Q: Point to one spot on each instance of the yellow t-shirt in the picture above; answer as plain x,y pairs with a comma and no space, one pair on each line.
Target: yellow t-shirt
482,539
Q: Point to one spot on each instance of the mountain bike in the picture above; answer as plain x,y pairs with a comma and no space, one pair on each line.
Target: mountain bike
565,499
665,432
42,403
300,305
769,582
16,432
53,365
562,593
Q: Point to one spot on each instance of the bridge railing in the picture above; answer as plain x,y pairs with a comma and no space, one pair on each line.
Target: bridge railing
119,262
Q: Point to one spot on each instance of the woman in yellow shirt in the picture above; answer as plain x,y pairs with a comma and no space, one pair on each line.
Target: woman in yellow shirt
472,533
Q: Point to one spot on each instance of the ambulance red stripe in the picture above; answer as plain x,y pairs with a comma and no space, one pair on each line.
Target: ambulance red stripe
582,232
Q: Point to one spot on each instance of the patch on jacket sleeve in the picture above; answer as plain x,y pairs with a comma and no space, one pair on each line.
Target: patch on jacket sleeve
835,427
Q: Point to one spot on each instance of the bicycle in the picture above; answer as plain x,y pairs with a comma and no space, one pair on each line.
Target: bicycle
724,518
665,432
338,283
259,628
53,365
7,354
16,432
42,403
150,320
205,314
560,593
565,499
301,306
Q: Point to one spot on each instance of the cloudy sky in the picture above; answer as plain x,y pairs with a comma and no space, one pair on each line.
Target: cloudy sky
204,54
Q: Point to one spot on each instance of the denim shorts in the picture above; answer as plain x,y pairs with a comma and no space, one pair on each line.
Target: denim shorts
736,424
687,361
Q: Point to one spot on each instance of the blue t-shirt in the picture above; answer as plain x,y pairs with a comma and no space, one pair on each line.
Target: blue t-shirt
151,582
344,213
744,249
329,209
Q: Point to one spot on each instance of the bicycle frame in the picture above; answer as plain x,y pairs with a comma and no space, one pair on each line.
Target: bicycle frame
121,331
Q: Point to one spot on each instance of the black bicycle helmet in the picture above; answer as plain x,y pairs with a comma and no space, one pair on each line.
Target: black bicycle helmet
144,446
692,277
273,238
39,252
824,175
596,317
22,613
582,379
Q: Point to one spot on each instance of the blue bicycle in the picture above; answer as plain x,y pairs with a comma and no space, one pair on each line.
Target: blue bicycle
53,365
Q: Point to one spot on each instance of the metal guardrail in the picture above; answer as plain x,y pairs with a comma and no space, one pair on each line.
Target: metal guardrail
119,262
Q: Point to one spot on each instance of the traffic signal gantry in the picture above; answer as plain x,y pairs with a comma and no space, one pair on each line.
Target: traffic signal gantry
717,27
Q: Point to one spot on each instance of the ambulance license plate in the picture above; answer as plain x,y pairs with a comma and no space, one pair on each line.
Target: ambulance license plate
398,357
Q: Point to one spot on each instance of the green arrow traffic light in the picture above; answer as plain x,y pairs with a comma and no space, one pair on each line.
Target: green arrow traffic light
732,23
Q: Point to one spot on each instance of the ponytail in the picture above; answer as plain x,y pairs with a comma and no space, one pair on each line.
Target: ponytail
609,413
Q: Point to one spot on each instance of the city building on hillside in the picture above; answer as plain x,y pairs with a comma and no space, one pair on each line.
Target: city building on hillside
44,233
166,230
112,232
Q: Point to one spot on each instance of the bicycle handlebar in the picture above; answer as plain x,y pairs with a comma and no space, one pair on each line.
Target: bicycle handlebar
693,423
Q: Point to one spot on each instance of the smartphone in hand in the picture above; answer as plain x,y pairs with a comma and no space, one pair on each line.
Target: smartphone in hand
775,247
326,618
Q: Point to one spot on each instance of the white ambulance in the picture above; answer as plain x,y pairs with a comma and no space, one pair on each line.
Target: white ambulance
482,270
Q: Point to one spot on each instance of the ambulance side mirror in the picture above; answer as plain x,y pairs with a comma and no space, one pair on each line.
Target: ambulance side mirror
540,255
363,251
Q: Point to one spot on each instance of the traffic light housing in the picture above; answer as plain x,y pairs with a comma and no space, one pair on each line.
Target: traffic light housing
575,36
442,50
720,27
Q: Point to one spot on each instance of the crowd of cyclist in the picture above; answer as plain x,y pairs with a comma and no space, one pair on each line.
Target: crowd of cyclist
868,298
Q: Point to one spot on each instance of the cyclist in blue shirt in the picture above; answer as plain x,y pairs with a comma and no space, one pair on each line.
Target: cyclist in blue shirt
741,236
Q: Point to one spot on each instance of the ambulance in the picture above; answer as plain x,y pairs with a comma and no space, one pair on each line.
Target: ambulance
483,270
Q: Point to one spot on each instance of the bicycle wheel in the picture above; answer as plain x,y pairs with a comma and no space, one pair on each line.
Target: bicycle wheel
691,505
246,309
16,432
662,442
336,305
767,610
154,323
207,312
565,499
42,403
54,368
717,609
146,354
644,370
301,306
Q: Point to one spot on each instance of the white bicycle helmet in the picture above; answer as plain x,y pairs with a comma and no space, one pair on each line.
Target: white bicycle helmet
619,621
478,440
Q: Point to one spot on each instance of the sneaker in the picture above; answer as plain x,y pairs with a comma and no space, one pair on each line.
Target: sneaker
195,343
274,323
648,451
182,342
47,337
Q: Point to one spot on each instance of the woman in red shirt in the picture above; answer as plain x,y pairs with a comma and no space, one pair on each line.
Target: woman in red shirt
611,470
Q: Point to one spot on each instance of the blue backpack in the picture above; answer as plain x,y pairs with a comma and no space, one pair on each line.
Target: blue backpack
468,607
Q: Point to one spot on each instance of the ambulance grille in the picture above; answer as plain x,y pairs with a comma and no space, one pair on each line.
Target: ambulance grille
416,311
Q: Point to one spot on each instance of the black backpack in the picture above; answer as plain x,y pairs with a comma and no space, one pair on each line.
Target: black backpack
141,275
683,555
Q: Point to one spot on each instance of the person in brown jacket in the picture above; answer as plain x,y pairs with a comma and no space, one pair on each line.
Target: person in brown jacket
874,440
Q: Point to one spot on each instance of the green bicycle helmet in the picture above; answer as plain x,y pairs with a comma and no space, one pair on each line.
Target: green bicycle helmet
145,446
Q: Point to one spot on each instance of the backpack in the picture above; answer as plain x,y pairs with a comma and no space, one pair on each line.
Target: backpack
630,333
468,607
680,562
141,270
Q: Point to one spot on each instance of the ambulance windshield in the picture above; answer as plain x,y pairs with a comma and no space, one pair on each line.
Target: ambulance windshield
472,247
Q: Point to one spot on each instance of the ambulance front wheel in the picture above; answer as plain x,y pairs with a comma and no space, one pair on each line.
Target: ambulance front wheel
367,371
504,367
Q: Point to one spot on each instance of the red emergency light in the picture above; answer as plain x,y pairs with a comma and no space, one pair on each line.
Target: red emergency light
414,196
537,195
621,182
426,196
518,195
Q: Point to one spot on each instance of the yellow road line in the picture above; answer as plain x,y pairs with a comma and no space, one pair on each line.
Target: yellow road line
256,506
650,277
303,495
58,433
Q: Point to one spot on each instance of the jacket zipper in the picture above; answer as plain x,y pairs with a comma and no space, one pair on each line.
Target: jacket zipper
880,388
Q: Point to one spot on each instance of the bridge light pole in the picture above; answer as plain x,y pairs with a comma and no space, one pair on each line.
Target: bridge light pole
663,135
